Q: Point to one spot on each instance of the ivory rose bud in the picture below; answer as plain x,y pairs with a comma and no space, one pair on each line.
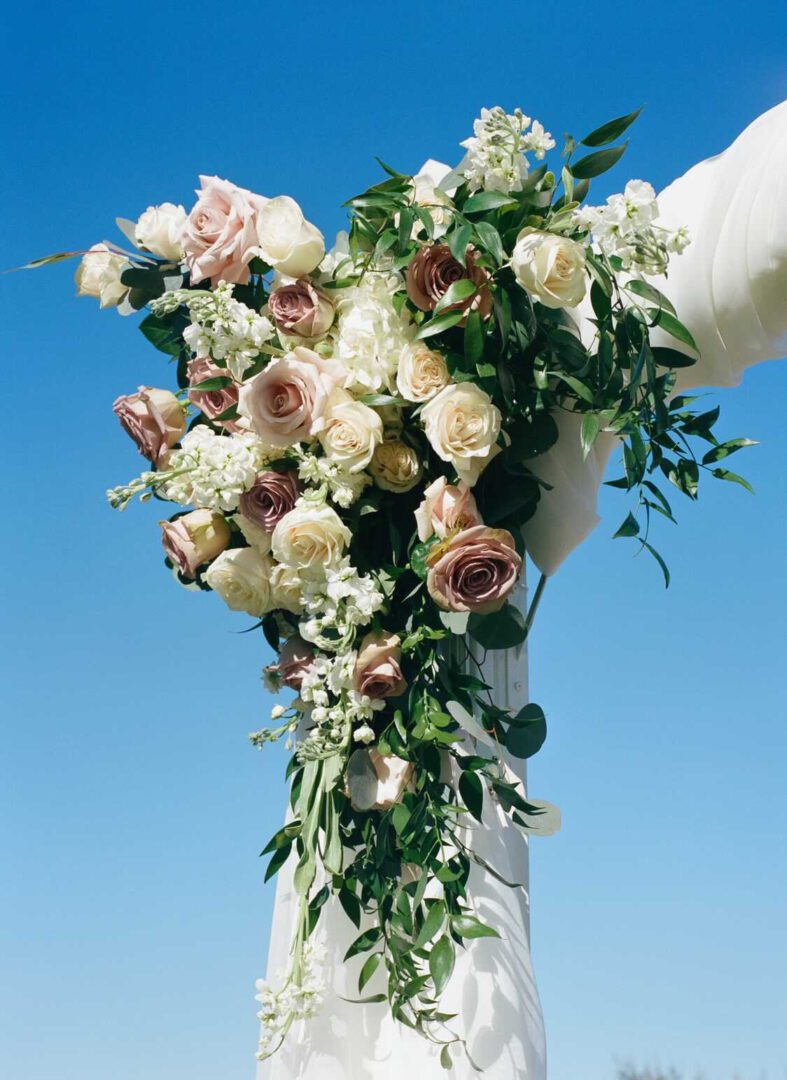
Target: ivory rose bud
434,270
301,309
160,231
295,659
475,570
396,466
550,267
220,237
376,781
194,539
272,495
310,538
212,402
377,672
462,425
422,373
154,419
446,508
288,242
98,275
351,433
286,403
241,577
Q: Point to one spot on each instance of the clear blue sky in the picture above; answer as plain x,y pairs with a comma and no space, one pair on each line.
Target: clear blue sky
133,919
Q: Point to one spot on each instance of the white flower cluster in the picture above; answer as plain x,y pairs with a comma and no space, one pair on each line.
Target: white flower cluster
495,158
343,487
336,605
334,705
298,999
221,327
370,334
625,227
213,471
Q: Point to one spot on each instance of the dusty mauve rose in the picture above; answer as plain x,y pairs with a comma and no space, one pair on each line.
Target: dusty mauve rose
434,270
220,237
194,539
376,781
154,419
295,659
302,309
212,402
446,508
377,672
474,570
273,495
286,403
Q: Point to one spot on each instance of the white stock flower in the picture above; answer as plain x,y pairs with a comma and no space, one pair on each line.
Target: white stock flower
160,230
311,538
351,433
370,334
288,242
422,373
495,153
214,470
98,275
626,228
463,424
241,577
343,487
550,267
223,328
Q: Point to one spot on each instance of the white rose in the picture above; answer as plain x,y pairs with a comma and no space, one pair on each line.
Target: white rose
310,538
286,589
395,466
351,433
288,242
159,230
99,275
255,536
550,267
241,577
422,373
462,425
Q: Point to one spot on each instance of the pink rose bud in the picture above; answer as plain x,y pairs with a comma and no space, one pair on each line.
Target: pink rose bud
194,539
434,270
475,570
446,508
272,496
295,659
377,672
212,402
302,309
154,419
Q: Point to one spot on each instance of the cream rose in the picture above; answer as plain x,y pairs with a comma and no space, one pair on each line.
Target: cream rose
550,267
376,781
422,373
351,433
99,273
463,424
194,539
160,231
241,577
446,508
310,538
286,589
395,466
288,242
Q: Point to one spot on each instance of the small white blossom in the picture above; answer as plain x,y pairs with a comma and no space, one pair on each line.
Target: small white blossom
343,487
364,734
626,228
495,158
211,470
370,334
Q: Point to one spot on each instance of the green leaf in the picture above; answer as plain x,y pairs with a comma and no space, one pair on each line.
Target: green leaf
441,963
612,130
364,942
419,555
472,792
445,1057
460,290
368,969
662,565
630,527
591,425
648,292
221,382
474,338
280,857
726,474
468,926
432,924
487,200
439,324
723,450
671,358
351,906
490,239
527,731
458,241
597,163
160,333
504,629
673,326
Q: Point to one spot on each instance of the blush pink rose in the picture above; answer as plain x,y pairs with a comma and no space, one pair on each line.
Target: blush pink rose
286,403
377,672
154,419
302,309
446,508
475,570
221,235
212,402
271,497
295,659
194,539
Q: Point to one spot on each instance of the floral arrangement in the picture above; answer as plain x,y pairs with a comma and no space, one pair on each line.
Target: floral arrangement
348,451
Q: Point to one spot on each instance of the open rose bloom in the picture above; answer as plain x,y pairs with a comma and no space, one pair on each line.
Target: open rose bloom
361,447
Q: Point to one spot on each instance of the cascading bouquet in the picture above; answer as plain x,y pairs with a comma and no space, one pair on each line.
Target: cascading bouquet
349,451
